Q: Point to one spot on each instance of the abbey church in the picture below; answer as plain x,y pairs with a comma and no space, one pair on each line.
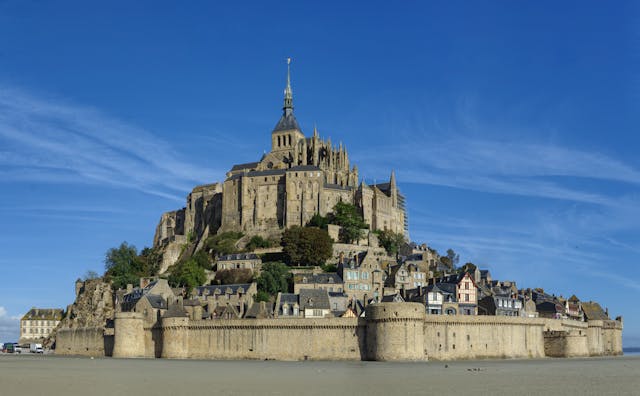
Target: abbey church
300,177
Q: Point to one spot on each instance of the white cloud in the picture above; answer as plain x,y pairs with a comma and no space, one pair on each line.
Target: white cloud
9,326
516,168
50,142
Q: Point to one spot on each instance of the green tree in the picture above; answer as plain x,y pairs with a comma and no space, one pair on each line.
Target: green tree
391,241
306,245
348,217
123,266
258,242
231,276
274,278
318,221
222,244
469,267
329,268
453,257
188,274
261,296
90,275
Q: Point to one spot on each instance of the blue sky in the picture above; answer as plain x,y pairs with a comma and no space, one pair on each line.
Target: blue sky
512,128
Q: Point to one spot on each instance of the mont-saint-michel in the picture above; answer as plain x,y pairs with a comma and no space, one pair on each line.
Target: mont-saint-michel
295,257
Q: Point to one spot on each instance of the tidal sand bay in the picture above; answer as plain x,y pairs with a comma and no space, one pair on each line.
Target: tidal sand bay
51,375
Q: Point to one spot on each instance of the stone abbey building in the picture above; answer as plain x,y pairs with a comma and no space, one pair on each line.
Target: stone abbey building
300,177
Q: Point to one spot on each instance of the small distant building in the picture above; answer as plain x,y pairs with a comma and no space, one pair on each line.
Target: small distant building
287,306
38,323
225,301
152,299
331,282
593,311
314,303
249,261
500,305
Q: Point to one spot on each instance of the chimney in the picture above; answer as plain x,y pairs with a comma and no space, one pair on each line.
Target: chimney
606,311
341,259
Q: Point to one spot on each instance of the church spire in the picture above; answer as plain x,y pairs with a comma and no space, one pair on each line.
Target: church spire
288,93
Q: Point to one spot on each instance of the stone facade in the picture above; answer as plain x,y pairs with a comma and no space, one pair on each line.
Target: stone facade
298,178
389,331
39,323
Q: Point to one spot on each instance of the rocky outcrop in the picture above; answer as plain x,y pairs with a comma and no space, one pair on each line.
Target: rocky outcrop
94,307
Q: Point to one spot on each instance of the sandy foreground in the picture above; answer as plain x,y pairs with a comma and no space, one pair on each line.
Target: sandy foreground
50,375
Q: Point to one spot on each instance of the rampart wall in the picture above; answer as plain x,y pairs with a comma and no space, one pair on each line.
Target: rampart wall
84,341
390,331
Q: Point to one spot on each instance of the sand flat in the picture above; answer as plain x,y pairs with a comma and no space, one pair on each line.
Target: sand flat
52,375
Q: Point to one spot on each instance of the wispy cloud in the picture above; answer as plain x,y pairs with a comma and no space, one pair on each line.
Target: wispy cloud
45,140
517,168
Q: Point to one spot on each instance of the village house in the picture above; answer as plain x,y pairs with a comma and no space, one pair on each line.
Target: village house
330,282
362,277
226,300
249,261
38,323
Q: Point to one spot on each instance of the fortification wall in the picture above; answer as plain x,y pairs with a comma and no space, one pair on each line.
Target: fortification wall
477,337
85,341
390,331
281,339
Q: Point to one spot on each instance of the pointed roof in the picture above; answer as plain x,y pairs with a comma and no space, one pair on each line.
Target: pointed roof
288,120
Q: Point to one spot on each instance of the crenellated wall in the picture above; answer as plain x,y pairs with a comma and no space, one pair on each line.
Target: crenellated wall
390,332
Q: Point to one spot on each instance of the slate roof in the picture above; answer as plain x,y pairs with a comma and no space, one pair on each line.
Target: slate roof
222,289
287,122
593,311
248,165
303,168
392,298
44,314
314,299
257,312
238,256
337,187
326,278
156,301
288,298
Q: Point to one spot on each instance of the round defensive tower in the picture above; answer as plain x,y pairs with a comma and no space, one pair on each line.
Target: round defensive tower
175,337
395,331
128,340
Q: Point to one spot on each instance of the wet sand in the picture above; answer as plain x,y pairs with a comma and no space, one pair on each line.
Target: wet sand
51,375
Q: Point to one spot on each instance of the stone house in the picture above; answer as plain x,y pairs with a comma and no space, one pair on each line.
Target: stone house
339,303
593,311
551,309
362,277
249,261
236,298
38,323
314,303
330,282
466,292
158,287
500,305
287,306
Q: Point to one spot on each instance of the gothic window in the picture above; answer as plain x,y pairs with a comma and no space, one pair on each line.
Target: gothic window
289,140
278,141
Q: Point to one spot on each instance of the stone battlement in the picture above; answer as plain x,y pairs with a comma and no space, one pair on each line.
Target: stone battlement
389,332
